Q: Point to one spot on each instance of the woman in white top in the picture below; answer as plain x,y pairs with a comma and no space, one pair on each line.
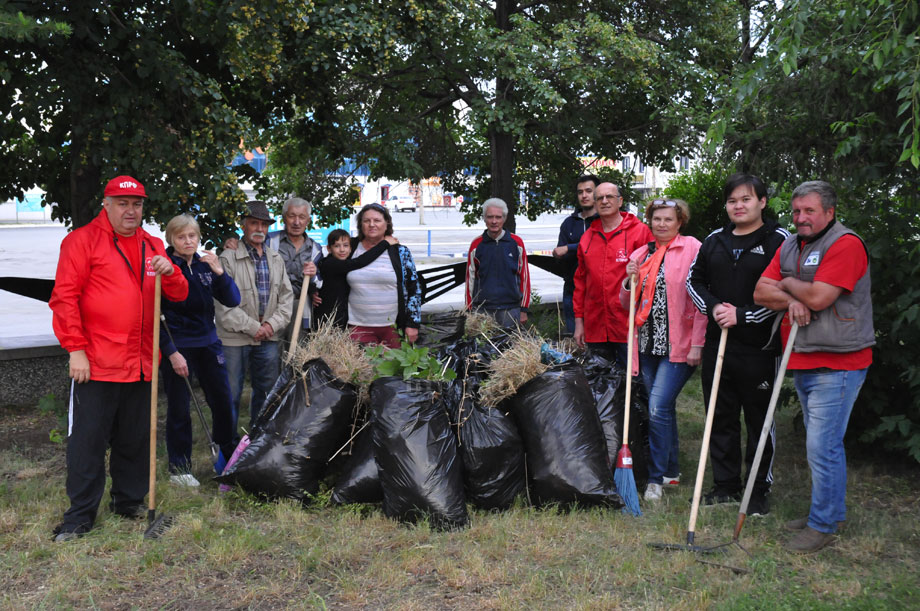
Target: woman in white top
385,295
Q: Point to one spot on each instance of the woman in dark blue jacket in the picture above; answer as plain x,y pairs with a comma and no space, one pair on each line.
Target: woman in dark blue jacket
192,346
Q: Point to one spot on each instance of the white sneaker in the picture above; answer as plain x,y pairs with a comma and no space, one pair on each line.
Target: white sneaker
184,479
653,492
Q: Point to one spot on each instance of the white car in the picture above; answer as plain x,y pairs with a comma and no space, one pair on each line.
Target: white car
401,203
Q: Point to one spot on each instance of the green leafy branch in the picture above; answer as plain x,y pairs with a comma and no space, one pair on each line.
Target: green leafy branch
409,363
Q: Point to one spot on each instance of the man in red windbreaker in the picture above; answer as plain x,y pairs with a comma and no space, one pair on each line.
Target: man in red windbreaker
604,249
103,316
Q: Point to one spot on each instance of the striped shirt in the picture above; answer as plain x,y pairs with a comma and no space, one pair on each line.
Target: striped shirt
373,301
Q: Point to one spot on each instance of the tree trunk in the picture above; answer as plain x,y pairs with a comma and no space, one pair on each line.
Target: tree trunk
84,185
501,142
502,172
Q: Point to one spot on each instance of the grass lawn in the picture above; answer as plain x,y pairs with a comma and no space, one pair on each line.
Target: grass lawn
232,551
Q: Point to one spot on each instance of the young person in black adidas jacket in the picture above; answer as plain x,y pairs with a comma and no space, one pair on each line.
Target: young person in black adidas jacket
721,283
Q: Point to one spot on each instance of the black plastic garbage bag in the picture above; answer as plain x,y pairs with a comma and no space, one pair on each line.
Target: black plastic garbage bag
296,434
416,453
441,329
490,445
493,457
360,480
608,384
566,452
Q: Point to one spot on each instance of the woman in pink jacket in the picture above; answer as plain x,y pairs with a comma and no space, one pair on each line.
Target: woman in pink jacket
670,331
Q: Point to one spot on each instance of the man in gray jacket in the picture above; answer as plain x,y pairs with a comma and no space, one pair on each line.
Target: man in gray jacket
251,332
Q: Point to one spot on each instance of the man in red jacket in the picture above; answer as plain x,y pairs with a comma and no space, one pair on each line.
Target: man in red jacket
103,316
603,252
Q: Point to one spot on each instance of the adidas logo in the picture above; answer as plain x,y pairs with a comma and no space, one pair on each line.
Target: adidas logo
757,250
765,385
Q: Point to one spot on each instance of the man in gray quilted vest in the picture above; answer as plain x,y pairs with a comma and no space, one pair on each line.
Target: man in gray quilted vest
820,276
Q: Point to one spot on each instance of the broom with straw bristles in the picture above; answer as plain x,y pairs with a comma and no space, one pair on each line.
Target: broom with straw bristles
623,475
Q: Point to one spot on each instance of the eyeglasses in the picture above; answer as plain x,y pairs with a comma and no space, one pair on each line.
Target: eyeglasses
376,207
670,203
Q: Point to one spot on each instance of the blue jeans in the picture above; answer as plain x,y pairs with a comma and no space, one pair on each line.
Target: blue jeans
663,380
568,314
264,368
827,400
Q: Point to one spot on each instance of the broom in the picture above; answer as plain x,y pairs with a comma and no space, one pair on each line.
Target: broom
623,475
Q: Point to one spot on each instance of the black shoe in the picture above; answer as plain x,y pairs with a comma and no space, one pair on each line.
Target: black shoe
758,505
718,496
62,536
131,512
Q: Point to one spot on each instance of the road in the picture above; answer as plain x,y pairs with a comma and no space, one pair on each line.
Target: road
32,251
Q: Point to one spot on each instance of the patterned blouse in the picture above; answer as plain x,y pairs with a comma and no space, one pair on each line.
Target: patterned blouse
653,335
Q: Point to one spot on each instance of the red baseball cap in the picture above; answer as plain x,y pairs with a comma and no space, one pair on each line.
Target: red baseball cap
124,185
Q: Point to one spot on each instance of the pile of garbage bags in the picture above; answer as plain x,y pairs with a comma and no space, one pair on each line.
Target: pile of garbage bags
424,449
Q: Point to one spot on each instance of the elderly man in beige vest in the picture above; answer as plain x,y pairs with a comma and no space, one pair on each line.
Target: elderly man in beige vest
252,331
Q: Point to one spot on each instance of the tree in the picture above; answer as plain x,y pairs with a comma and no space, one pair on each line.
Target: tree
835,95
500,97
161,90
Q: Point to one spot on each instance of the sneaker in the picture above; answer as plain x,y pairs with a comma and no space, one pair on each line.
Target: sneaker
653,492
808,540
758,504
669,481
184,479
718,496
802,524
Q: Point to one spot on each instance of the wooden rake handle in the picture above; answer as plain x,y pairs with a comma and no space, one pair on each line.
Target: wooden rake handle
298,317
154,381
629,356
707,433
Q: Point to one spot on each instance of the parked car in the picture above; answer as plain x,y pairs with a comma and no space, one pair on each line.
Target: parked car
401,203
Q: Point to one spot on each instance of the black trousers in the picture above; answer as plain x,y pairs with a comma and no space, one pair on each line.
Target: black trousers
745,387
106,415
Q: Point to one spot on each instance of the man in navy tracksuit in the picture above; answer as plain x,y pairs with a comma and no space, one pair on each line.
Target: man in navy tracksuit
573,227
192,346
497,278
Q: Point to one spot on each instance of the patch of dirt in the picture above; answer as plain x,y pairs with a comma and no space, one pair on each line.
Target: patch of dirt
26,429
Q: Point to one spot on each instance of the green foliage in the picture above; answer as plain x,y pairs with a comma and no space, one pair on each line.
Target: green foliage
164,91
408,362
50,404
834,95
492,97
887,413
701,187
18,27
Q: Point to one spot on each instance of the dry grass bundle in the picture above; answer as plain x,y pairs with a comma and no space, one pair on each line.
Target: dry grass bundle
516,365
478,324
345,357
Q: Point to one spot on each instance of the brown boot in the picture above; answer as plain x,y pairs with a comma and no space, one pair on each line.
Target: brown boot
808,541
800,524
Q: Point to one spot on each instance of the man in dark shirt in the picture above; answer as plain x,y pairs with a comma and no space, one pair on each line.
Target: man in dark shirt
721,283
573,227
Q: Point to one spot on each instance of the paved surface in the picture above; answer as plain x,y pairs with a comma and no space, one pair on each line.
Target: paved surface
32,251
